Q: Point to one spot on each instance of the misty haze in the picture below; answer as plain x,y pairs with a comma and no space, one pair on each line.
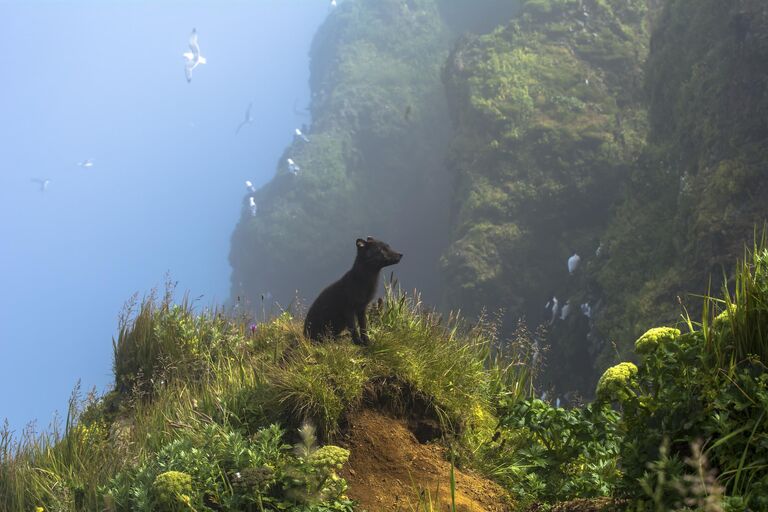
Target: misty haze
384,255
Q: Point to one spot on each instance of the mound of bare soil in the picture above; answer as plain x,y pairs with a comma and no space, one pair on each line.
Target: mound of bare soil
388,469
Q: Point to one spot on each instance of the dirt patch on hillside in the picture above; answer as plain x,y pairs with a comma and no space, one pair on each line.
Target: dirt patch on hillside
388,468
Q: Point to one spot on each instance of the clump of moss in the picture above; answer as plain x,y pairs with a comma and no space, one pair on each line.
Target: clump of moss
172,492
615,383
652,338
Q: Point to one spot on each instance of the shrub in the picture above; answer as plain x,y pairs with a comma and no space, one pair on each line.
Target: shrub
551,453
653,337
616,383
171,492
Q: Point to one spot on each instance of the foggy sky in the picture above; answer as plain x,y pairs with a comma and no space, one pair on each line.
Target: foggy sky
105,80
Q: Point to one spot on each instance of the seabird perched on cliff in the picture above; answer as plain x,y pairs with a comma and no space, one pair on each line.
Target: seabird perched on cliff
43,183
249,186
573,263
252,206
193,58
555,309
292,167
566,310
248,119
586,309
301,135
87,163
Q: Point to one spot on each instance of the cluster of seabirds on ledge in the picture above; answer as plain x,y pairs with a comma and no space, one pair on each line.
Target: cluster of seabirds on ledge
192,60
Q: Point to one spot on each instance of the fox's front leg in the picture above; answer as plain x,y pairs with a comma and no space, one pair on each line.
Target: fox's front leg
349,322
363,326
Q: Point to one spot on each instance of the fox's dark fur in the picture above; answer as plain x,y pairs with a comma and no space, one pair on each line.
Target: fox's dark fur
338,306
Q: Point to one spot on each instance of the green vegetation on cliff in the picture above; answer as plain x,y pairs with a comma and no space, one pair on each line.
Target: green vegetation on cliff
373,166
204,408
549,119
699,189
214,413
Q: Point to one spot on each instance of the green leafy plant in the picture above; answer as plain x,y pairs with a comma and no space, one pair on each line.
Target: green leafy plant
561,453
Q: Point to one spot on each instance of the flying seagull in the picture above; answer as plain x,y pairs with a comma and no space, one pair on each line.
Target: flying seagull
301,135
573,263
43,183
248,119
249,185
87,163
292,167
193,58
333,3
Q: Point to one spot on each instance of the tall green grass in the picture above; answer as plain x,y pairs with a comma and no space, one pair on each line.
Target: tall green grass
178,371
740,329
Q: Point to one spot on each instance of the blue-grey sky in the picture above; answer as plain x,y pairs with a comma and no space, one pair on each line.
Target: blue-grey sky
104,80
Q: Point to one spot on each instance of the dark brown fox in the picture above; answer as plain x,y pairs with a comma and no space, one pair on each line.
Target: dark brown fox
338,306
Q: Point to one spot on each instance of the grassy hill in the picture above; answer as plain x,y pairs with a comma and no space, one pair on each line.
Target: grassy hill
215,412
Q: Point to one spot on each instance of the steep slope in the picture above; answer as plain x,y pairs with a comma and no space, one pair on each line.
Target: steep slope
699,189
489,159
549,119
373,165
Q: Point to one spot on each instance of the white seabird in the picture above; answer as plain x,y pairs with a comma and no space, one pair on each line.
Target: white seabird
292,167
252,206
193,58
333,3
301,135
555,309
573,263
566,310
248,119
249,186
87,163
586,310
43,183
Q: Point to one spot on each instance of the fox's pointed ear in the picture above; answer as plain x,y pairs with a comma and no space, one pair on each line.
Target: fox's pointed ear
360,243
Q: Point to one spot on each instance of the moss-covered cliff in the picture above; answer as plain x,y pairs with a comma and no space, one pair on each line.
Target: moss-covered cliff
549,118
374,161
489,141
700,187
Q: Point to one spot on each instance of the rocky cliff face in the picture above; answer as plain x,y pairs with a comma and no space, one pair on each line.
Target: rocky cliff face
373,165
491,143
550,118
699,189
